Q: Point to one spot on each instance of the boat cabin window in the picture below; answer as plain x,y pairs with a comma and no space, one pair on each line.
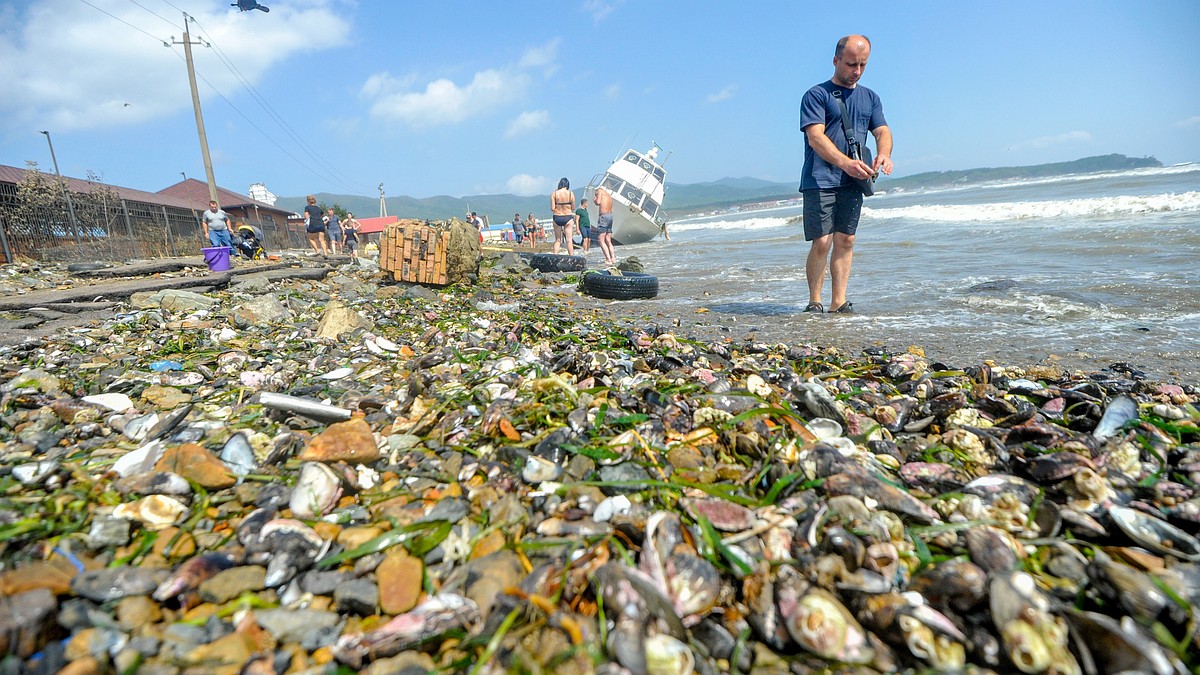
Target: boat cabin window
632,158
650,208
612,184
633,194
660,174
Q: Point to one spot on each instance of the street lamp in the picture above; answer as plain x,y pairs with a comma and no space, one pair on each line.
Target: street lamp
66,191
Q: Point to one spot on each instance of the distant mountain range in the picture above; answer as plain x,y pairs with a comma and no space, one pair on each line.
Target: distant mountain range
683,199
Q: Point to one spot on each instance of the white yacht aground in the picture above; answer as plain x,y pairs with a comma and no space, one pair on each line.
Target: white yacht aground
637,183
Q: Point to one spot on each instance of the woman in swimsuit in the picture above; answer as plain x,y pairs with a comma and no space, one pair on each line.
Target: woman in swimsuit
562,205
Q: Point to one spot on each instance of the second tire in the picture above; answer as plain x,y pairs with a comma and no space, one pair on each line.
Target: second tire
627,286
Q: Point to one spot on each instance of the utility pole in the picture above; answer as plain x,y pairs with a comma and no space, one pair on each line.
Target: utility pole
382,203
66,190
187,52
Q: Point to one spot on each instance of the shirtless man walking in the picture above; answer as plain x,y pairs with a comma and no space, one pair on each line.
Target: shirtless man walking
604,225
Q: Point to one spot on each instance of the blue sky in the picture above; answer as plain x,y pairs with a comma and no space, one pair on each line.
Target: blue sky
466,98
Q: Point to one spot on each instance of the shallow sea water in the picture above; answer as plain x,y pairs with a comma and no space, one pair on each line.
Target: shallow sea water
1085,271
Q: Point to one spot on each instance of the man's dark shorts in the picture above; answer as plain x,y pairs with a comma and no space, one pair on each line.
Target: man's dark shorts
603,224
829,211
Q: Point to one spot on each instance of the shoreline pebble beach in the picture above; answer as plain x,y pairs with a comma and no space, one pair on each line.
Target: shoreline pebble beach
299,468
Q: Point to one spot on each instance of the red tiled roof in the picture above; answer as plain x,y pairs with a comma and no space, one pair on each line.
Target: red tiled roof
182,194
373,225
196,193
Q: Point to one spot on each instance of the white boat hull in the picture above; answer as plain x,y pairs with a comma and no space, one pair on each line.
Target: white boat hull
630,226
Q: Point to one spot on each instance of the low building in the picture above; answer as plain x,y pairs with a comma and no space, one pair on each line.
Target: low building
110,222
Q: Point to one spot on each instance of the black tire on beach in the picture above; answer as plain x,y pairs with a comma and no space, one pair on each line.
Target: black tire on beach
548,262
628,286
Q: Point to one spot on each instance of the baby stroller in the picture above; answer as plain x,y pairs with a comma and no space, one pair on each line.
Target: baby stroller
249,242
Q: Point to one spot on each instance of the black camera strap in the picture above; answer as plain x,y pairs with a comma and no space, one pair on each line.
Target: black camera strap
856,150
846,128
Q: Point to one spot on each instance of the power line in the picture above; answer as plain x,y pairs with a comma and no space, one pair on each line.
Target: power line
254,93
164,19
259,130
266,106
157,39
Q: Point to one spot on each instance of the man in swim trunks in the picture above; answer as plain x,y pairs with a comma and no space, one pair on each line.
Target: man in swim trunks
604,225
583,222
562,206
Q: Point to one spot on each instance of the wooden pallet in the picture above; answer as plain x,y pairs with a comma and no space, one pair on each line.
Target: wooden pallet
415,251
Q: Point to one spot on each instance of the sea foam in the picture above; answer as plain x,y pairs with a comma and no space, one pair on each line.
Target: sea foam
1001,211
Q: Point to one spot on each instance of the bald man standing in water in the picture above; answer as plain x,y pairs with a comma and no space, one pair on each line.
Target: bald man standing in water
832,201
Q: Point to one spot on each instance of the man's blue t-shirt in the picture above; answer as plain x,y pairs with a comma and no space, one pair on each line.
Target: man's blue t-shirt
820,107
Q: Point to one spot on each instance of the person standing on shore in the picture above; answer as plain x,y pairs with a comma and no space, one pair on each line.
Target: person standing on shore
562,206
532,231
216,226
314,226
518,229
350,230
334,227
583,223
604,223
832,200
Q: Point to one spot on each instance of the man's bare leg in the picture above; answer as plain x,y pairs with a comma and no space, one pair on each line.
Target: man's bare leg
839,267
815,266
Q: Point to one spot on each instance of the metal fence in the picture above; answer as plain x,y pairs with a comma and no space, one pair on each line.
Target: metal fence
112,230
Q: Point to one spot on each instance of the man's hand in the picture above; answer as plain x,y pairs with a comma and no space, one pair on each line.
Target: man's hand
883,163
857,168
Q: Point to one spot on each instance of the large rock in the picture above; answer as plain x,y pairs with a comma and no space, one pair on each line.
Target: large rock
338,319
27,621
351,441
462,254
263,310
254,284
229,584
399,577
196,463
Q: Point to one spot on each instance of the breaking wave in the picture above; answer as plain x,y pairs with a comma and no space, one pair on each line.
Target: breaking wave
1076,208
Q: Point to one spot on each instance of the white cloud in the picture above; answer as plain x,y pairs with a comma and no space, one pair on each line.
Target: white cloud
70,66
444,101
600,9
1060,139
527,122
722,95
612,91
544,56
1192,121
524,185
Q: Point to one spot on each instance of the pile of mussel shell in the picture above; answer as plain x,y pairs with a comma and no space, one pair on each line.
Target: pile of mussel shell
501,478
